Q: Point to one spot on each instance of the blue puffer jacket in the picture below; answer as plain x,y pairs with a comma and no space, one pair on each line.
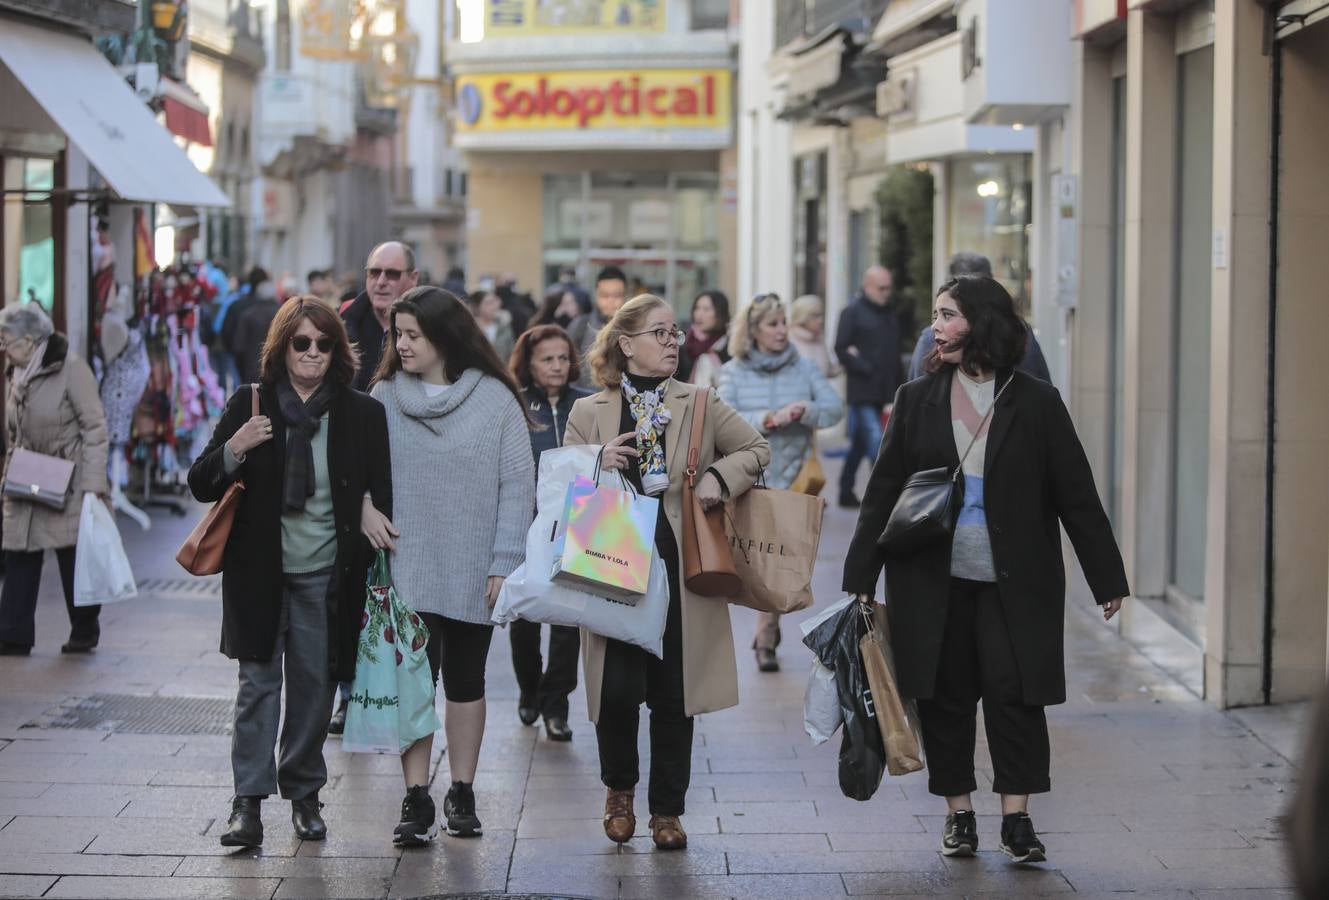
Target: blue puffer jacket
761,384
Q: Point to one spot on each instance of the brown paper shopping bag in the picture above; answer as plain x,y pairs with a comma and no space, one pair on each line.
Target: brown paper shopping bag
774,536
897,718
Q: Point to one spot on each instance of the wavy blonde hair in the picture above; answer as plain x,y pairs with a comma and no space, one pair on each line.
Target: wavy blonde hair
606,357
761,308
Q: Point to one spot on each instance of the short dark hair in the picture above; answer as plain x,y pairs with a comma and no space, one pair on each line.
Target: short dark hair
997,335
257,276
456,273
966,263
611,273
272,358
520,363
314,275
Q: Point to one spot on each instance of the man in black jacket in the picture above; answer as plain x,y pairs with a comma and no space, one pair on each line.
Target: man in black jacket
389,273
867,343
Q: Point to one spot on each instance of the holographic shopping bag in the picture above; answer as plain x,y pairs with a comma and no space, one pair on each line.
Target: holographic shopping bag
604,541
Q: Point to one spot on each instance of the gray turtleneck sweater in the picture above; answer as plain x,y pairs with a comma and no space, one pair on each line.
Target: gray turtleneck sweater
463,490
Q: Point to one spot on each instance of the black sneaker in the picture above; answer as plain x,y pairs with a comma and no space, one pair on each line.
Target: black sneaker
1019,841
459,807
417,826
961,836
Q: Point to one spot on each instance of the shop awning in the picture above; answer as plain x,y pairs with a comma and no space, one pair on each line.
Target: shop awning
95,108
186,116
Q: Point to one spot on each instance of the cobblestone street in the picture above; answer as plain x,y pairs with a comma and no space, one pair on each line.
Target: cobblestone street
1155,794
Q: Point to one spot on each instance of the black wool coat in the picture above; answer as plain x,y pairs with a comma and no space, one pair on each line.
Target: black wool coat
358,462
1036,479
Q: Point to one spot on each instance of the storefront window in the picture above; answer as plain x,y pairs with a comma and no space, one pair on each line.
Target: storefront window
1191,314
810,221
659,227
29,236
989,214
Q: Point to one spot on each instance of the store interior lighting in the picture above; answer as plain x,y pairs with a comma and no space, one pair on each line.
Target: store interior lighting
988,189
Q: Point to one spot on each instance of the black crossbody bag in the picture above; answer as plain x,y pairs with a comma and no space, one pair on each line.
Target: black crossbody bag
930,502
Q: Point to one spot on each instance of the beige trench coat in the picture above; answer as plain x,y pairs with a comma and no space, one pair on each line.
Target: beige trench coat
59,413
738,453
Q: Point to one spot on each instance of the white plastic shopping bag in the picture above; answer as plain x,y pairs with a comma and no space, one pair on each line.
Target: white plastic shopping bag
821,704
101,570
530,593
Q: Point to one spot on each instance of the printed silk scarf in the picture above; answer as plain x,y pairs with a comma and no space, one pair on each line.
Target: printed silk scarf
651,415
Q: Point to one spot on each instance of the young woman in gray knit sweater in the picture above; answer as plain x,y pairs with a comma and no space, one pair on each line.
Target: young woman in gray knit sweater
459,447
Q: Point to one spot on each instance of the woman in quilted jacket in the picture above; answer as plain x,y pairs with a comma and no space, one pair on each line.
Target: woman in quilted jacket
786,398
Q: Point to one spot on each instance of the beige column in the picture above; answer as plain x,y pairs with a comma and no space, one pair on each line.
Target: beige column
1301,446
505,220
1151,141
1091,367
1234,580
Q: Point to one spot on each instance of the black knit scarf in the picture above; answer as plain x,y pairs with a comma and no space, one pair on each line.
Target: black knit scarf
302,420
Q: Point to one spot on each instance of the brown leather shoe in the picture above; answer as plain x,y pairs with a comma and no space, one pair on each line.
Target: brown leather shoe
668,833
620,822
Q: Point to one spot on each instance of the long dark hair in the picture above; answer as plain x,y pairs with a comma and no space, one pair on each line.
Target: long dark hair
449,326
997,334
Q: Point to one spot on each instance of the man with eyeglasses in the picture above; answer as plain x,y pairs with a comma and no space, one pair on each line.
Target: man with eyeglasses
389,273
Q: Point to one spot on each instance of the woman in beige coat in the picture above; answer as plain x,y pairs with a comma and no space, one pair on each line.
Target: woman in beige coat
51,406
643,418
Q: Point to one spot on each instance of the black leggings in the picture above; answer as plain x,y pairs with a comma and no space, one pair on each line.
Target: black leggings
459,649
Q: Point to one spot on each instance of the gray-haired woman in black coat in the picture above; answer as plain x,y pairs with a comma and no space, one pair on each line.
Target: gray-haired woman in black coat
982,615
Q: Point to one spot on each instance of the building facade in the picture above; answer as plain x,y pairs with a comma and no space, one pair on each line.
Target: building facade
1201,194
600,137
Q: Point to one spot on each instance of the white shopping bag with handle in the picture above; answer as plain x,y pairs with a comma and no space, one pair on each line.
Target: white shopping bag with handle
530,592
101,570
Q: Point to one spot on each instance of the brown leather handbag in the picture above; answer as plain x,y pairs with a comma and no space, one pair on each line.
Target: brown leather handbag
708,564
202,551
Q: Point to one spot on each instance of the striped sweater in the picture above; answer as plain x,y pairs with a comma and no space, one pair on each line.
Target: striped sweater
971,550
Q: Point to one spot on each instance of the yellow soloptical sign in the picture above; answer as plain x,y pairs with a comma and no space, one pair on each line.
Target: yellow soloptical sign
596,99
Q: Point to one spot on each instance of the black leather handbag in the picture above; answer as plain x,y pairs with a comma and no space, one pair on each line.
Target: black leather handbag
929,504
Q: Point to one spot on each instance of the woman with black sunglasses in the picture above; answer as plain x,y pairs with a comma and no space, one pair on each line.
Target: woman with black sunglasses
316,470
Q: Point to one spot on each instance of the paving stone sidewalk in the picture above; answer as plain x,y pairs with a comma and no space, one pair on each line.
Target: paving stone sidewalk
1155,794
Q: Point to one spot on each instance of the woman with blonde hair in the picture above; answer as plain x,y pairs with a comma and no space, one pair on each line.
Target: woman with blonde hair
786,398
807,327
643,417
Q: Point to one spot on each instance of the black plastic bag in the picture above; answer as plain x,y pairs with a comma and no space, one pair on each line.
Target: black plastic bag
862,756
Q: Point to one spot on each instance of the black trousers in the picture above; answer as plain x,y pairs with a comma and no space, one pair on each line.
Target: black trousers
18,599
546,688
978,662
631,676
458,651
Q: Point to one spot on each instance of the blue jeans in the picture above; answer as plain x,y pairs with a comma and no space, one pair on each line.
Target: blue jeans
864,426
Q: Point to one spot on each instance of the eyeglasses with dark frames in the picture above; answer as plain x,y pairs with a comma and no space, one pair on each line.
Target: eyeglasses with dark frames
662,335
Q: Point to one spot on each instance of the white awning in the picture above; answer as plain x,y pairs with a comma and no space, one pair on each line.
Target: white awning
96,109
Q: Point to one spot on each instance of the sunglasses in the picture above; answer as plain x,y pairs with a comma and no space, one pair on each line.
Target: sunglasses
392,274
301,342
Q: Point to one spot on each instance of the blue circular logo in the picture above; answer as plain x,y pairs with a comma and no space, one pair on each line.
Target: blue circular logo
469,104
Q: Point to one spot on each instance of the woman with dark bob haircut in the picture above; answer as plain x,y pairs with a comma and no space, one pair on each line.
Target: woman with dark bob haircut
979,614
544,363
314,461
